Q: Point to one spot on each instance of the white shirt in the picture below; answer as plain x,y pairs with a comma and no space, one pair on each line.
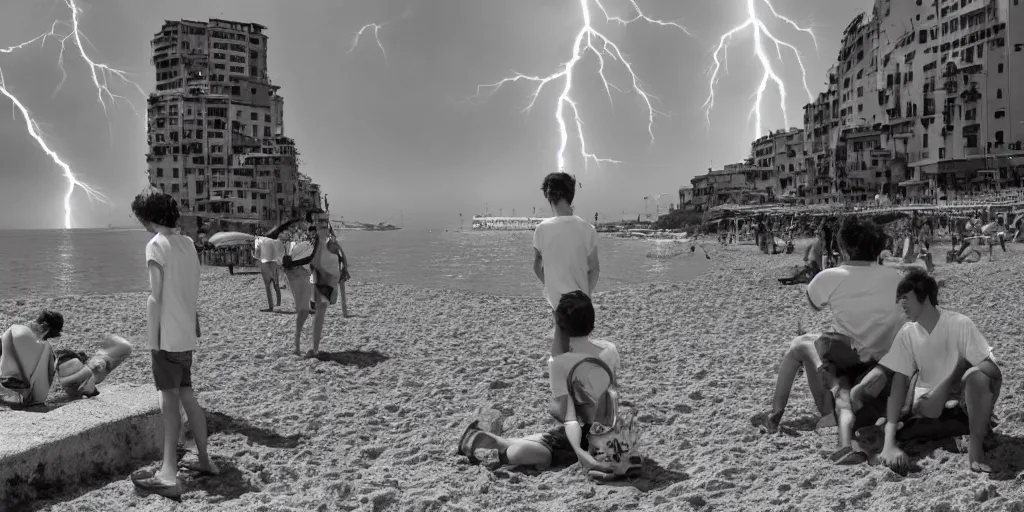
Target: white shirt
565,243
863,300
269,249
176,254
955,338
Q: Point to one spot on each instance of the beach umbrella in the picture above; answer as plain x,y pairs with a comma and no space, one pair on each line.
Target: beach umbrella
231,238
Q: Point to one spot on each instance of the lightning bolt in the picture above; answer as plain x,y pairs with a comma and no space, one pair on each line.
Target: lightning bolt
760,33
102,75
588,39
376,37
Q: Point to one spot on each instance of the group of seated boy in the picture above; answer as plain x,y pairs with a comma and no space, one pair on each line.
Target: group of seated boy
891,356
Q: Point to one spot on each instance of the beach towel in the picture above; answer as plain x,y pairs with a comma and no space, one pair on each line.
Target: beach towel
614,435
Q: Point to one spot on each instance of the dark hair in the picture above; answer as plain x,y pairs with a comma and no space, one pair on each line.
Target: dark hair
862,240
54,322
558,186
922,284
575,314
155,207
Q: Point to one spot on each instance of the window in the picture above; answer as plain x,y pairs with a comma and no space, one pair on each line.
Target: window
999,94
174,187
252,91
1000,114
159,172
174,172
942,152
266,131
266,118
1000,67
999,137
253,116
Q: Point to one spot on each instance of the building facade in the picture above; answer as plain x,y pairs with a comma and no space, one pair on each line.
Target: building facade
216,126
919,105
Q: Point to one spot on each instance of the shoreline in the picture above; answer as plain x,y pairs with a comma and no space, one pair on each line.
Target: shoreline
375,428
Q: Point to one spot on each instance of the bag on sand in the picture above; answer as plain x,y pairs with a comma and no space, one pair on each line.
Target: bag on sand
614,435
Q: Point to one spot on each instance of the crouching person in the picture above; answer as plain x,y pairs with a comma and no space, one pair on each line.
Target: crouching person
956,371
27,361
585,402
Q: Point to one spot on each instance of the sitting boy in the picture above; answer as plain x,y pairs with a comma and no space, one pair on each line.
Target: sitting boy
955,367
864,322
27,362
567,443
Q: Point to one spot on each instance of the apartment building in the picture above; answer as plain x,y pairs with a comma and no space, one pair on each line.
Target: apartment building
216,126
918,105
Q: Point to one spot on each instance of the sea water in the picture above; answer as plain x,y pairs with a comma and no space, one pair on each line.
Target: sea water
56,263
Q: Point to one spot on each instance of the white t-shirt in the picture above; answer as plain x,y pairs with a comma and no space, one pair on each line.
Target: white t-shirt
579,349
936,355
177,255
565,243
269,249
863,301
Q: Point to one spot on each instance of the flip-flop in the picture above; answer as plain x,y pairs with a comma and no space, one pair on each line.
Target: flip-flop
470,431
196,468
152,485
764,423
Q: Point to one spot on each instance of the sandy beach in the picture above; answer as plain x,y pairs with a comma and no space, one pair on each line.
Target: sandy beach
376,427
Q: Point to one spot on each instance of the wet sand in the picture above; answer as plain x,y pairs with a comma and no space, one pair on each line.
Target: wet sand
375,426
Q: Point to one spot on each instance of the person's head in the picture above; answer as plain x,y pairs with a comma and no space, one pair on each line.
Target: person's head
155,209
575,314
321,222
861,240
917,292
559,186
47,325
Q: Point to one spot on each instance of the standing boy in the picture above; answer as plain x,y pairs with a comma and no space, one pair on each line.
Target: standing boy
565,249
173,323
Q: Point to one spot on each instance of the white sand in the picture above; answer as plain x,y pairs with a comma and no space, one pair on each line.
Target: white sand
699,358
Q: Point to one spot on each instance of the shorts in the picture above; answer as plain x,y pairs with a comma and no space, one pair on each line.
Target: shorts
302,290
172,370
269,270
557,443
838,350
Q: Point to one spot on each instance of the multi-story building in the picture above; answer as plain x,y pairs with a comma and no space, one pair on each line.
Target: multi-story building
918,104
735,184
216,126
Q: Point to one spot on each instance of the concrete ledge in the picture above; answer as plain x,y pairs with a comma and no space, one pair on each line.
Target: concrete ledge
78,441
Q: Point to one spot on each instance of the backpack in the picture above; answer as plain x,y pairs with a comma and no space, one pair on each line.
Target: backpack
614,436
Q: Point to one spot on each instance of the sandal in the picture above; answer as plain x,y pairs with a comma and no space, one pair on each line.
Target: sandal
764,422
153,485
196,468
467,435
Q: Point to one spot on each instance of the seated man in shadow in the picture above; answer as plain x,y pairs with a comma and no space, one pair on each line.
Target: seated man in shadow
864,322
957,383
567,443
27,362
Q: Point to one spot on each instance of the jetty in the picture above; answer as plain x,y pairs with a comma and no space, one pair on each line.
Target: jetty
488,223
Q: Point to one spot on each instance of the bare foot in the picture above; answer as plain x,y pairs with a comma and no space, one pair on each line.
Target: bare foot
297,352
267,310
981,467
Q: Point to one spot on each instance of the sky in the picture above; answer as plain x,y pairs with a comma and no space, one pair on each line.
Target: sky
403,139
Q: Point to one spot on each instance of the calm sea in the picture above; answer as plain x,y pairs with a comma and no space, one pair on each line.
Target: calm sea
54,263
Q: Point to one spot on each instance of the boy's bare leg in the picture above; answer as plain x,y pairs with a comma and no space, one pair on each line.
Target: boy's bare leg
266,288
801,353
171,413
932,404
197,422
981,393
318,324
277,287
344,299
300,322
519,452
